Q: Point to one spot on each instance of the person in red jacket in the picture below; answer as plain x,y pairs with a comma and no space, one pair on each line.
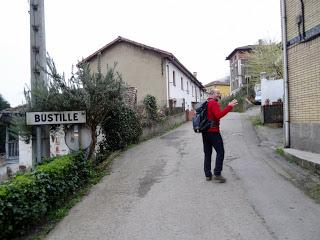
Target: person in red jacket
212,138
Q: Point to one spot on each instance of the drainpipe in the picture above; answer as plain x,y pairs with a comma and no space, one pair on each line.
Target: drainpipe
285,76
168,85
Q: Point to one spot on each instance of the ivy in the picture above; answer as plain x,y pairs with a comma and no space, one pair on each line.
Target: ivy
120,129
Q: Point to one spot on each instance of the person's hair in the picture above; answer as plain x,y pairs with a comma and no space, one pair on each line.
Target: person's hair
213,91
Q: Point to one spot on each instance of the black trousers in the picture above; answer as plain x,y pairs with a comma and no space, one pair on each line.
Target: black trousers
212,139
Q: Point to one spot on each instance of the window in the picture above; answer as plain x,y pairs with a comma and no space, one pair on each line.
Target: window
181,83
174,78
188,87
192,90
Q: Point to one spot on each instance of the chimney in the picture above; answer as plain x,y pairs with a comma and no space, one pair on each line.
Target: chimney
195,74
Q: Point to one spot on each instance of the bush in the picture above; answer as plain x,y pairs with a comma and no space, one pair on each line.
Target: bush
26,198
240,96
150,104
121,128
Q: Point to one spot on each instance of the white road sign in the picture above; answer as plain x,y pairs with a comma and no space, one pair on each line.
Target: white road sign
45,118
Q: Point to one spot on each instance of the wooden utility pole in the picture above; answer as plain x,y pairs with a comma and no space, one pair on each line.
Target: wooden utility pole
38,76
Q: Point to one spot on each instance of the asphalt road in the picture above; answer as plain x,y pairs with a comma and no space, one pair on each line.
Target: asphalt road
157,190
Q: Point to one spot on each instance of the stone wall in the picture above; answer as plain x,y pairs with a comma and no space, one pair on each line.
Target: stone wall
162,127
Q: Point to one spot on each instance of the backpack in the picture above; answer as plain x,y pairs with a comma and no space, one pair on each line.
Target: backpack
200,121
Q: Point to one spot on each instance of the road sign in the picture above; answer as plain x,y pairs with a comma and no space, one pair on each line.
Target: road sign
46,118
78,138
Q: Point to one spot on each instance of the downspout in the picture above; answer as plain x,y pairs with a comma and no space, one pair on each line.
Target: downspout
285,76
302,22
168,85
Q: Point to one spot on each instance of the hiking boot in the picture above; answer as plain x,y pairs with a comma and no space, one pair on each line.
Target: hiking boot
219,179
209,178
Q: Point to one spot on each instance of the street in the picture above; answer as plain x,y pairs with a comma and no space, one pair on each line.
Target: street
157,190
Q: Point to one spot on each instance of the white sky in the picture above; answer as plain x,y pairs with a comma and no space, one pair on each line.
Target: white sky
200,33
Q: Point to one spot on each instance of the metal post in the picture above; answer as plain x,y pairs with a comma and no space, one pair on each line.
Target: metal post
7,142
76,135
38,76
285,76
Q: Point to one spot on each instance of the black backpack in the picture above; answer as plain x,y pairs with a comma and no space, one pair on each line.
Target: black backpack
200,121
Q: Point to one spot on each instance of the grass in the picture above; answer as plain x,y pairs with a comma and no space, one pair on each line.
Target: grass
315,192
256,121
280,151
309,185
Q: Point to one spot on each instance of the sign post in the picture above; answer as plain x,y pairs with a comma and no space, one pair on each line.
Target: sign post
77,138
51,118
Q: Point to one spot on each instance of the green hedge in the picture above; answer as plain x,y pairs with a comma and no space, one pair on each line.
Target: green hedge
25,199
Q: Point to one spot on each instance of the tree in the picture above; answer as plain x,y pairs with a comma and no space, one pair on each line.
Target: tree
266,57
3,105
93,92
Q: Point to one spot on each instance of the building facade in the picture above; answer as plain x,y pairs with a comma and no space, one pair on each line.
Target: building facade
303,50
238,59
149,70
222,84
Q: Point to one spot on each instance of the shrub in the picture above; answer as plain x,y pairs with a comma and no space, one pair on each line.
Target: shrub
150,104
240,96
121,128
25,199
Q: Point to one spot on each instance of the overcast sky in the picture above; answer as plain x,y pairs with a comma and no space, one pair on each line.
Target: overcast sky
199,33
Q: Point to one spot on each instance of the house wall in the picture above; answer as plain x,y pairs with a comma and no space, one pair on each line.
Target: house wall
304,78
58,146
312,15
224,89
190,92
25,154
139,68
236,70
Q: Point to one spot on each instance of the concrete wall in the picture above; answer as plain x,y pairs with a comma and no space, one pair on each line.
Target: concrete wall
304,78
305,136
25,154
160,128
58,146
272,90
139,68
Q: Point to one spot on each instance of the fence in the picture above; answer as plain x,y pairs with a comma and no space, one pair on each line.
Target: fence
272,113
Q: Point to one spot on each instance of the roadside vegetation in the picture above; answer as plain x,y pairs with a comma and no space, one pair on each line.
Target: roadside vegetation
32,203
256,121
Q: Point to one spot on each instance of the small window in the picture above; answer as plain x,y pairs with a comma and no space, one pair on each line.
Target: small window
174,78
192,90
188,87
181,83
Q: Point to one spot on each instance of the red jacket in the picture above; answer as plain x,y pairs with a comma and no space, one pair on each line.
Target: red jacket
215,113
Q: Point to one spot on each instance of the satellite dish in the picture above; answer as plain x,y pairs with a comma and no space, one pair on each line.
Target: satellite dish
78,137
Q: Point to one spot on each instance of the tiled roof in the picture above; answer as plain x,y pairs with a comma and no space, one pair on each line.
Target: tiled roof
162,53
244,48
217,83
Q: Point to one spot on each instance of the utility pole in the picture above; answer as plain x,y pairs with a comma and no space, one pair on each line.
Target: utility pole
38,76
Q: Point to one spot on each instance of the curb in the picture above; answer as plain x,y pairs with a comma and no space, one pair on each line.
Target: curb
308,160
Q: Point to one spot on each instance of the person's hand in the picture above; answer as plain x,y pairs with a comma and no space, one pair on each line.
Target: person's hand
233,103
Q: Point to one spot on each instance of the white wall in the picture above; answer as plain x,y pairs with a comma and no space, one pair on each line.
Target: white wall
25,154
175,91
58,146
272,90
